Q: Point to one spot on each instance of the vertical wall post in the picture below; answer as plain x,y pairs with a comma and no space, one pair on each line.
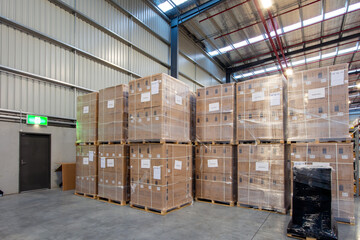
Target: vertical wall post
174,45
357,160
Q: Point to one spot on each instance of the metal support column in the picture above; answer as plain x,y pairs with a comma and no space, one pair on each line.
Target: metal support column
174,45
357,161
228,77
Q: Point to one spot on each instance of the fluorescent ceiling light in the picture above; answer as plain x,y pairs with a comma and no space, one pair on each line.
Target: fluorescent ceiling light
225,49
279,31
259,72
213,53
335,13
298,62
292,27
353,7
312,59
256,39
178,2
355,70
248,74
313,20
238,76
240,44
347,50
266,3
328,55
271,69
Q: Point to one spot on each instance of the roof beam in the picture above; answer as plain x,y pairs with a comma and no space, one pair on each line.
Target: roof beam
252,64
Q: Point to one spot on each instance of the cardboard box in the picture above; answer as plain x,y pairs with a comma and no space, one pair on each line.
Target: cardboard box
263,176
113,172
113,114
159,109
161,175
215,172
339,156
87,117
86,169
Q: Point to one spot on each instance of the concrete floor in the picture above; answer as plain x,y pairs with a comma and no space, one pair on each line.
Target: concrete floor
53,214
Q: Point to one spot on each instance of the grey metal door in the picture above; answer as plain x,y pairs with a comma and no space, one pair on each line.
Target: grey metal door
34,161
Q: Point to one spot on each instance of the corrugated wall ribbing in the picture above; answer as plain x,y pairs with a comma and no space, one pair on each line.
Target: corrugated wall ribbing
85,54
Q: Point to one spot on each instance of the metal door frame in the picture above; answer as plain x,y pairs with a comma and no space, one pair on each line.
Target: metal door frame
34,133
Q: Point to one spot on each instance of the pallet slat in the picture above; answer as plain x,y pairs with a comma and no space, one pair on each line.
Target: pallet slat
87,195
222,203
282,211
157,211
108,200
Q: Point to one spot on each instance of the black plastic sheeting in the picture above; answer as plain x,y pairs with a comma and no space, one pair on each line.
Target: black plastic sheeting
311,214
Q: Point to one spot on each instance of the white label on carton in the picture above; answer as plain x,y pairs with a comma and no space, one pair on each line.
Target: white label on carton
262,166
344,157
120,155
158,188
213,163
178,99
145,163
294,118
154,87
141,186
149,155
241,92
141,155
324,115
157,172
297,156
91,156
214,107
276,118
110,163
308,82
327,156
299,163
139,120
308,116
312,156
275,99
86,161
132,91
134,155
323,80
337,77
147,87
241,121
252,90
145,97
178,164
158,156
156,118
292,154
148,119
110,104
316,93
294,85
321,164
103,160
345,194
86,109
340,114
258,96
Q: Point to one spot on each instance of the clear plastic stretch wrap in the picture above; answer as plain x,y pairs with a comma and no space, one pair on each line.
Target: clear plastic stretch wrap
318,104
161,175
263,176
260,110
192,116
86,169
113,114
159,109
312,217
215,172
339,156
87,118
215,113
114,173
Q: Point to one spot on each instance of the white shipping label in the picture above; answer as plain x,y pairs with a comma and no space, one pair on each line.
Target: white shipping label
86,161
178,165
321,164
145,97
102,164
213,163
344,157
297,156
327,156
262,166
145,163
337,77
110,104
178,99
323,80
345,194
154,87
316,93
258,96
312,156
299,163
157,172
308,82
340,114
275,99
91,156
214,107
110,163
86,109
294,85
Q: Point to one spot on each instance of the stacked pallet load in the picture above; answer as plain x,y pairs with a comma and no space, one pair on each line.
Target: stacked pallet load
318,122
215,153
160,146
113,159
262,166
86,145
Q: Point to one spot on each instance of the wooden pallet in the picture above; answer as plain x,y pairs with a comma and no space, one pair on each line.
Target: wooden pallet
112,142
157,211
321,140
262,141
345,221
86,144
282,211
116,202
297,237
157,141
222,203
215,143
87,195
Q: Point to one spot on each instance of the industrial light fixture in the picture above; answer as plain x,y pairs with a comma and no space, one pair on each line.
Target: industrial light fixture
266,3
289,72
358,85
349,102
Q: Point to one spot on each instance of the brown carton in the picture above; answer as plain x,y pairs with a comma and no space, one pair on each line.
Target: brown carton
87,117
86,169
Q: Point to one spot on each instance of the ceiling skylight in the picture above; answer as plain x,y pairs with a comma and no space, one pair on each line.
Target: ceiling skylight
166,6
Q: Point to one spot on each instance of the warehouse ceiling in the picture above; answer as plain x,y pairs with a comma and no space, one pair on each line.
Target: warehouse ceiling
310,33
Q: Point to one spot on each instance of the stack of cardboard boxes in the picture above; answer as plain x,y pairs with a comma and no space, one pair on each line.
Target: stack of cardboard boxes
318,116
86,149
262,164
113,162
215,170
160,172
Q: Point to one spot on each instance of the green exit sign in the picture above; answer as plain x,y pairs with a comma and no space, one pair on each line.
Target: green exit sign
37,120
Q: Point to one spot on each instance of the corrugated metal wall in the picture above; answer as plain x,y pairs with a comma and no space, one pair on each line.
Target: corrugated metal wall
87,43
